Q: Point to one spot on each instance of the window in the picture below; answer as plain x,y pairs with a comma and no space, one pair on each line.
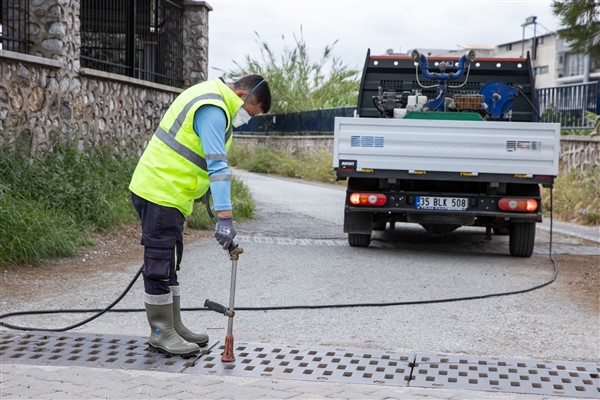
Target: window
138,38
509,47
573,64
14,18
541,70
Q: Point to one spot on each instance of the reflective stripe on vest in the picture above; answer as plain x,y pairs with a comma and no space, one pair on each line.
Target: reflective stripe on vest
168,138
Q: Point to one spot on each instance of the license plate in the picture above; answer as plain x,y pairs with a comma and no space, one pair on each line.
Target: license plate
442,203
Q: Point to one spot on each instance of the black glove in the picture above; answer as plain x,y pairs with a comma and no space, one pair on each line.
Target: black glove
225,232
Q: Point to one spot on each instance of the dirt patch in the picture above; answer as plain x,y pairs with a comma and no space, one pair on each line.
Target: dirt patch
111,252
579,278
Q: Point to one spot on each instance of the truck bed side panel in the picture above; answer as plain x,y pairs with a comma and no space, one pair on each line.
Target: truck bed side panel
448,146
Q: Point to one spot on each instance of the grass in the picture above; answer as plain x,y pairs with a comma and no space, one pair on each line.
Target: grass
49,206
30,231
576,197
314,166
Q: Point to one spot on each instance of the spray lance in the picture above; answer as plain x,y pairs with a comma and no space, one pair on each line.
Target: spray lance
234,254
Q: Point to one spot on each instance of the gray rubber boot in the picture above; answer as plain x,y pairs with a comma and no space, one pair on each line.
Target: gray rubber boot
201,339
163,337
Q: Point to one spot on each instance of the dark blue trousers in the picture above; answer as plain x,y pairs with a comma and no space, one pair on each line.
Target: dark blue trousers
162,238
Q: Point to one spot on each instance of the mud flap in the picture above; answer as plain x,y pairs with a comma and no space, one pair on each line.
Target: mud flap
359,222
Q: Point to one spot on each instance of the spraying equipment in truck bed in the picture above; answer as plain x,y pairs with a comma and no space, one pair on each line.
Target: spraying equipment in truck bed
456,146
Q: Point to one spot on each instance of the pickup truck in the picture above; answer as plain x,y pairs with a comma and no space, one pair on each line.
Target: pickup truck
423,149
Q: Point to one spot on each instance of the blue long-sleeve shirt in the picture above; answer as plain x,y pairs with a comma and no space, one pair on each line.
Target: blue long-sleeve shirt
209,124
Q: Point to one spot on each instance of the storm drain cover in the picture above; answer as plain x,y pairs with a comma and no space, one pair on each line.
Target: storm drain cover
310,363
87,350
575,379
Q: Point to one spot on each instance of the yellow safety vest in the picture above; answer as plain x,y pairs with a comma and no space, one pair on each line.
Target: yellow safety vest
172,171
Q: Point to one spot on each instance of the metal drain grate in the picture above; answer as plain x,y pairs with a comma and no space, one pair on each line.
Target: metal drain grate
312,363
309,363
85,350
573,379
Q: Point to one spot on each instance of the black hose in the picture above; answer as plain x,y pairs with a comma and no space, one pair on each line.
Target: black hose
276,308
98,312
533,108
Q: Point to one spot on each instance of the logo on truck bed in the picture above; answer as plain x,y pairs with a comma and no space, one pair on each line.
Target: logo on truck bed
347,166
366,141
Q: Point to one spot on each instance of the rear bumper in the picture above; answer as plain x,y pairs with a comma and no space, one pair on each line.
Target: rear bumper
481,210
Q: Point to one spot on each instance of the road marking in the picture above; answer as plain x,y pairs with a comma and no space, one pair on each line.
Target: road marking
287,241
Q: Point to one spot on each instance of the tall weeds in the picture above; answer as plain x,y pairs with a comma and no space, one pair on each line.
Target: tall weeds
48,206
298,83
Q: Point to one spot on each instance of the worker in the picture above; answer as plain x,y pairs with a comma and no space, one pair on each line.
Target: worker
185,157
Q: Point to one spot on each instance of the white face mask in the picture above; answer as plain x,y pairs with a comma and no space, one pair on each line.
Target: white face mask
241,117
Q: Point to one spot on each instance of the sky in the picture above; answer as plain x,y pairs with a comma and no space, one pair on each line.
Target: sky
401,25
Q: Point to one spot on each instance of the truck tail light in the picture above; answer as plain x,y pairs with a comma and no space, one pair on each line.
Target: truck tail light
368,199
519,205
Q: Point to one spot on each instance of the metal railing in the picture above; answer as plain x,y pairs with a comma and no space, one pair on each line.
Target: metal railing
314,122
569,104
14,19
138,38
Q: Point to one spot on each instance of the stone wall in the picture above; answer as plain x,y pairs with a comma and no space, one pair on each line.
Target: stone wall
287,144
580,153
47,99
42,106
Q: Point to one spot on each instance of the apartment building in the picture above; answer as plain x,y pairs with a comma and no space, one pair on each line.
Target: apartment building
553,62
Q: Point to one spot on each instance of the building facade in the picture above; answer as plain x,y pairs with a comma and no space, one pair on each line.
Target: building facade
553,62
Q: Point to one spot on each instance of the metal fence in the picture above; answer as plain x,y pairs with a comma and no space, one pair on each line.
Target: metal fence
314,122
138,38
570,104
14,18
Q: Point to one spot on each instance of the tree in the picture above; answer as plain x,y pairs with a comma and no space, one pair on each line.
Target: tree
581,22
298,83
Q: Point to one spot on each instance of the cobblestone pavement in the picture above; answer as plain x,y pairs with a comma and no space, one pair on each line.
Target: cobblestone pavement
591,233
43,382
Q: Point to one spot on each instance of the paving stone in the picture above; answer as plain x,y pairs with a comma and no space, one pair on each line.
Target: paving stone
227,390
310,397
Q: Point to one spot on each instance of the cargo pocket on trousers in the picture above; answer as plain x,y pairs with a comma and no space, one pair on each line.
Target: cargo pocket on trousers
158,262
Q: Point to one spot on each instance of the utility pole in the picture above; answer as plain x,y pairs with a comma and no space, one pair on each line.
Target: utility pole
529,21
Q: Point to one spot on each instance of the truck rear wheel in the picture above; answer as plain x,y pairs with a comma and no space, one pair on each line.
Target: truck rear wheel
359,239
522,239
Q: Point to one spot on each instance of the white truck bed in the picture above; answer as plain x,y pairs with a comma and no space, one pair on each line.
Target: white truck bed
448,146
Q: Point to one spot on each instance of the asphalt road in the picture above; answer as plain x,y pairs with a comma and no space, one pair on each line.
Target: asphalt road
295,253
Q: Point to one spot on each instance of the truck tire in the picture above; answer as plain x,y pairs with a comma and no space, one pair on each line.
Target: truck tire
359,239
522,239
